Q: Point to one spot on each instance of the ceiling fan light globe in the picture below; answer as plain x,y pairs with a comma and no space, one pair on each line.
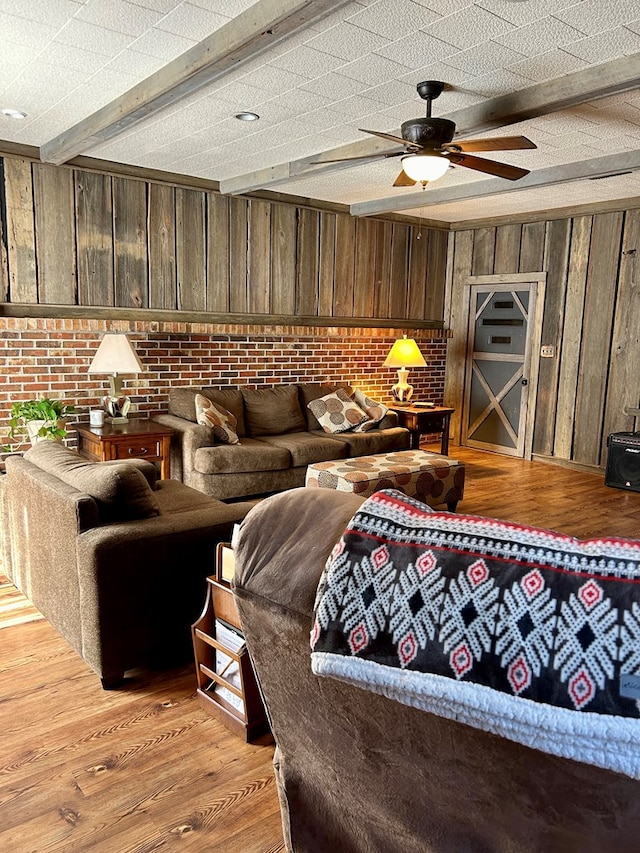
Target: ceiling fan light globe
425,167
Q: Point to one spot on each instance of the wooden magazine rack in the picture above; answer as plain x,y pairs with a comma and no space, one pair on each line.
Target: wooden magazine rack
227,686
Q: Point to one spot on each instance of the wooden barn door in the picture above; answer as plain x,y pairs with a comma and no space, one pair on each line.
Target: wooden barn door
502,360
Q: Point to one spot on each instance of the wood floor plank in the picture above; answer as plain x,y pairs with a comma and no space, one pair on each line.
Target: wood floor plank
117,770
540,494
15,609
105,720
222,811
143,768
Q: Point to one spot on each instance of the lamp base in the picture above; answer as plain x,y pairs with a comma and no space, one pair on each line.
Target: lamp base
402,391
116,409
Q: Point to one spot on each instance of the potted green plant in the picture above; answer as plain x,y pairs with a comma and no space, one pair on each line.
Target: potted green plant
38,420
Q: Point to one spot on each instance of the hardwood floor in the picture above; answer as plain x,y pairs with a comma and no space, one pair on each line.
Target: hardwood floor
544,495
143,768
133,770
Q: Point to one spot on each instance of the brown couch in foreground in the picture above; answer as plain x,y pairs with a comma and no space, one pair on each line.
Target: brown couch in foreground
360,773
114,560
279,437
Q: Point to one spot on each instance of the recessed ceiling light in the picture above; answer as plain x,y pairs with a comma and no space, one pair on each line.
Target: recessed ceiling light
247,116
9,113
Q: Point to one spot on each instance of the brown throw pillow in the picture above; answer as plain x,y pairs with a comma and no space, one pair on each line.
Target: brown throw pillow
221,421
337,412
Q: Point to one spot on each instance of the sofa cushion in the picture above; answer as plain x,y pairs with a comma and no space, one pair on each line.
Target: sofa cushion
231,400
222,422
251,455
374,441
273,410
121,491
336,412
305,448
174,497
182,403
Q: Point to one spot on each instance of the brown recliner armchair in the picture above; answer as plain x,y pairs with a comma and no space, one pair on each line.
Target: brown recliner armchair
361,773
114,560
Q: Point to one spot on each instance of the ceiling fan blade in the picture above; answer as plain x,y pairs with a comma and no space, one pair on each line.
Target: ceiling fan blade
403,180
491,167
388,136
497,143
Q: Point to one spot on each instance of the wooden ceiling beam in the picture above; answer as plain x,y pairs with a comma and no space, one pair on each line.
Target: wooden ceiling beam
598,167
255,30
570,90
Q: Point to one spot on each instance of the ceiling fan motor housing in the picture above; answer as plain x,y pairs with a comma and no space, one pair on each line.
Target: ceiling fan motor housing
428,132
429,90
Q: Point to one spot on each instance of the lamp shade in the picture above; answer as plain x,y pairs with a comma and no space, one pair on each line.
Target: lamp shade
115,355
405,353
425,167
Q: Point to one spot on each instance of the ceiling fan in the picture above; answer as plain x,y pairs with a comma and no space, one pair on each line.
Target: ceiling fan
428,149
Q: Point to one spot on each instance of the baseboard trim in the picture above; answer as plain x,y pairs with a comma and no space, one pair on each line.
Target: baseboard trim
568,463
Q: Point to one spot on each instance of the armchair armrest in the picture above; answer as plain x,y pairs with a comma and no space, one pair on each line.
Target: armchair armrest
142,584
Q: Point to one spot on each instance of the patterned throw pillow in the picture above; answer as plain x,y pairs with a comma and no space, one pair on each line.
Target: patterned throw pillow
375,411
222,422
337,412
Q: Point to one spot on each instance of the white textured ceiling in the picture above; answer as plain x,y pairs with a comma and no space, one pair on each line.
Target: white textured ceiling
61,60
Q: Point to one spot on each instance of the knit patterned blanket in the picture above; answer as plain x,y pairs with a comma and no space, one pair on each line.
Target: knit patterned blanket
522,632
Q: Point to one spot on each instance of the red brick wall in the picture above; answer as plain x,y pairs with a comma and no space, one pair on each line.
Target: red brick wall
49,358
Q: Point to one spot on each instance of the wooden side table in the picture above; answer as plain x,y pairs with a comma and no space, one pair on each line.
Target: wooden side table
419,420
141,438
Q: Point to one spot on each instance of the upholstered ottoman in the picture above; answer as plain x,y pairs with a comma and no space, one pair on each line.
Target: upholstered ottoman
429,477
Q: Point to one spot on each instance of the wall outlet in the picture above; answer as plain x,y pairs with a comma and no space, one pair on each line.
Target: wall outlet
547,352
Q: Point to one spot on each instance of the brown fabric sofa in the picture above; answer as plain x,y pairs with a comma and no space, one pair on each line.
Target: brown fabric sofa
279,438
113,559
360,773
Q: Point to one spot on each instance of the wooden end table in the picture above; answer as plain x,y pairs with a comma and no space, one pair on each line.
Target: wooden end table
140,438
420,420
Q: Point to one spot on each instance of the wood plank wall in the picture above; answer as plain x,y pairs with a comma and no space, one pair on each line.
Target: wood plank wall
591,317
79,238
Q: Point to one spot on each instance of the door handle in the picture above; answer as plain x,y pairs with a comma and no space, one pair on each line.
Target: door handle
524,382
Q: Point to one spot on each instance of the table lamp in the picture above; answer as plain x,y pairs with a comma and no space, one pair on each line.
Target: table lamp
403,355
116,356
